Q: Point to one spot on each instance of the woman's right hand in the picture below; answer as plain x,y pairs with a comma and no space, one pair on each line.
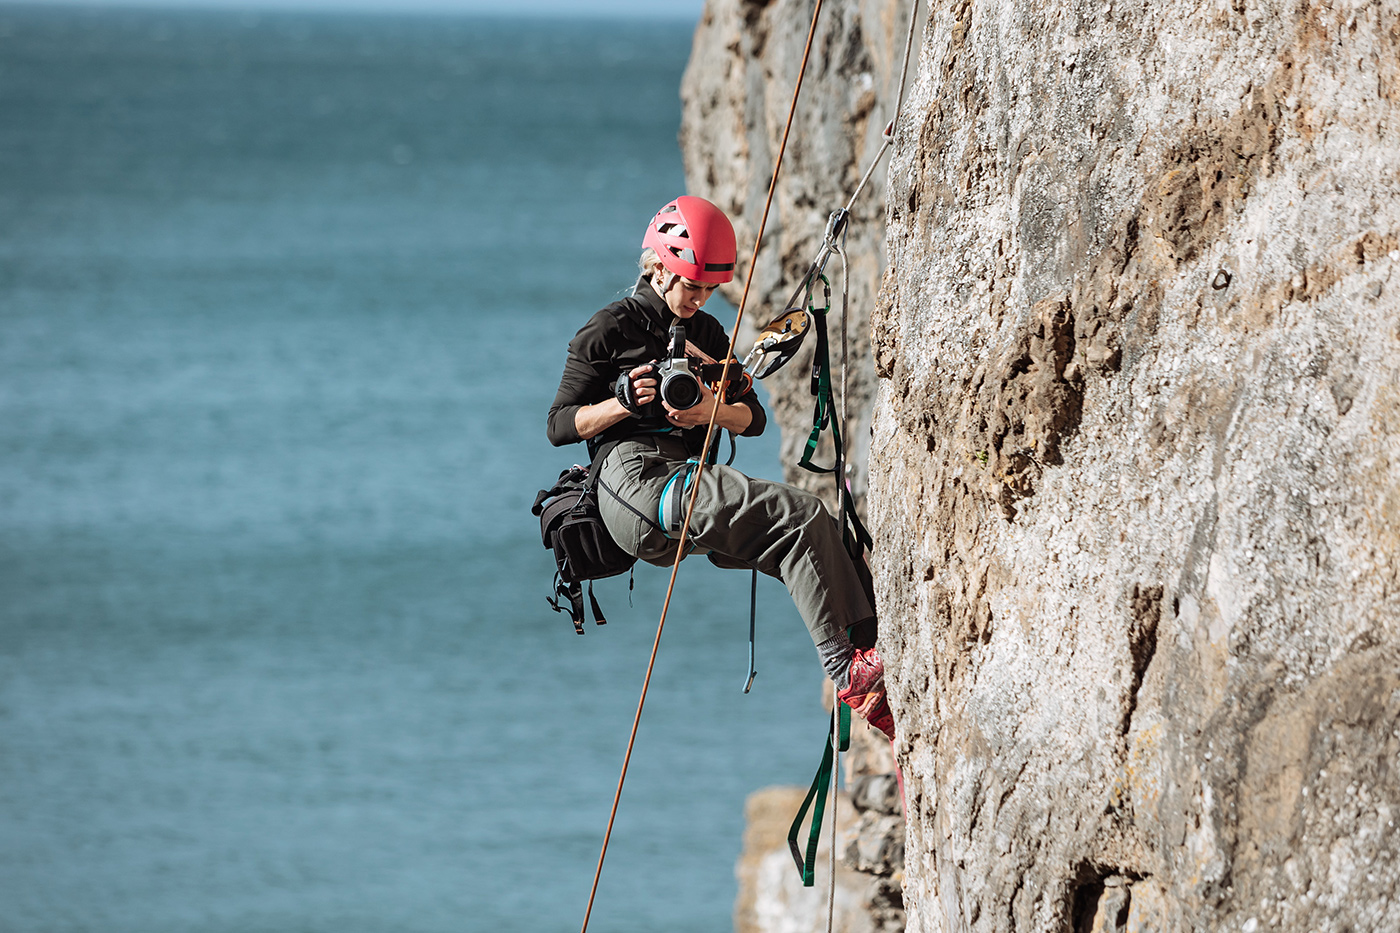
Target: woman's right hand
592,420
644,384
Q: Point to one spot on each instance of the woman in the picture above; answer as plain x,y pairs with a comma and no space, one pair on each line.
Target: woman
608,396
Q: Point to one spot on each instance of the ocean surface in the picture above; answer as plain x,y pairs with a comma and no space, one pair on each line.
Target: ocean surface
283,303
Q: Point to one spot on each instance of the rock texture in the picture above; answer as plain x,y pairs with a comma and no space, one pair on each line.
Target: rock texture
1135,478
867,898
1138,492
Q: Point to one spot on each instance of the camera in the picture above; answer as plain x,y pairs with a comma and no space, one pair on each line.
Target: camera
679,387
678,382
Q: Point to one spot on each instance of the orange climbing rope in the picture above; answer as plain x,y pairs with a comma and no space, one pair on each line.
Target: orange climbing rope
709,437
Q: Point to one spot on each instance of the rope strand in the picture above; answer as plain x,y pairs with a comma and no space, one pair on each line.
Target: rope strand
842,492
888,135
835,792
709,437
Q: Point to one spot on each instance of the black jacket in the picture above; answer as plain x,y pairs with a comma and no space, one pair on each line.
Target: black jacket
617,339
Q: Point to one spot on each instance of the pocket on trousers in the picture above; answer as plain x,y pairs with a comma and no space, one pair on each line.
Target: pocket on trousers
621,474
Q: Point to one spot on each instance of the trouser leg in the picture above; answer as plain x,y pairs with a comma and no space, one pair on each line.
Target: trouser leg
773,527
780,530
785,533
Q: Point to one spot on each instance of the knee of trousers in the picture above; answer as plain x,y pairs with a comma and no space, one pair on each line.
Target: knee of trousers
810,511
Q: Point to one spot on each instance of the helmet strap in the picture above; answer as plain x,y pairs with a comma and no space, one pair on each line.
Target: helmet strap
668,279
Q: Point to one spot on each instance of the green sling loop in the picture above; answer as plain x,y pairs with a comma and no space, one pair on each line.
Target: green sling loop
821,383
857,540
821,784
853,533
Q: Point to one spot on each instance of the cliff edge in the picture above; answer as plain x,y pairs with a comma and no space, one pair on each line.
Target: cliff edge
1135,480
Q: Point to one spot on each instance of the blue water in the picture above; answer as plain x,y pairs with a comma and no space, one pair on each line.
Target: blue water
283,303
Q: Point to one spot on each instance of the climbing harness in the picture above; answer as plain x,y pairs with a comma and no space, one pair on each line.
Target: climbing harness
670,508
792,325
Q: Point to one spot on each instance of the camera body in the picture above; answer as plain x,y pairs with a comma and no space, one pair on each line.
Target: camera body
679,382
678,385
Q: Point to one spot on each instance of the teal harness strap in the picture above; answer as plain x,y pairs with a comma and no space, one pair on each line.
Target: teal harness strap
821,785
670,508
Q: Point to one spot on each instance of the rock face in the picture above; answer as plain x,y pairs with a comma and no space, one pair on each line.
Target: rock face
1136,473
1139,488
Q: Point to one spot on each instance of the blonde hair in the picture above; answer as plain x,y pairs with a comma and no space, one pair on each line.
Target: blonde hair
649,263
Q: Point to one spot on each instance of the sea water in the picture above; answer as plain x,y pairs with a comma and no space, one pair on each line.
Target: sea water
283,303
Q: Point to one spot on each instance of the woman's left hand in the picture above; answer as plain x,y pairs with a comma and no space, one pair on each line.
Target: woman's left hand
697,415
734,417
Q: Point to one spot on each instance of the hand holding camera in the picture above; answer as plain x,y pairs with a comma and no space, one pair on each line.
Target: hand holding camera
672,389
636,390
670,381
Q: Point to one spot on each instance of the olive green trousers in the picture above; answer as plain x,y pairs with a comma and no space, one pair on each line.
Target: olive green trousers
741,522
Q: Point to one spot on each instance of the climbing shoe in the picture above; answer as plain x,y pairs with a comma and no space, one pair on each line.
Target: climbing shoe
866,692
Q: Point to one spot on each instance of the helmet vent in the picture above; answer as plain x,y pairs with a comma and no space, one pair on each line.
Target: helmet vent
673,229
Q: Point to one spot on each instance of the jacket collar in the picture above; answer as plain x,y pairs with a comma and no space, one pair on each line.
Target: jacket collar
654,308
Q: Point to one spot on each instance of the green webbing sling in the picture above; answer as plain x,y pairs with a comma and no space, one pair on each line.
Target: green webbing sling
853,533
821,383
821,784
856,540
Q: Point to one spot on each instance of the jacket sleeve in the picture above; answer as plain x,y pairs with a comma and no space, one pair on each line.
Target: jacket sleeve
587,380
760,417
717,345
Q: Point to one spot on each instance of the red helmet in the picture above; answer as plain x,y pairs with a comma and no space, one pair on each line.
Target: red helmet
693,239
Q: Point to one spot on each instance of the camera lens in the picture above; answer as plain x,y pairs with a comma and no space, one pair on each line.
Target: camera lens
680,390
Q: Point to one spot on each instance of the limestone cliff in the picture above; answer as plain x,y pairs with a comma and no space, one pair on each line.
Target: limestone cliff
1136,481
